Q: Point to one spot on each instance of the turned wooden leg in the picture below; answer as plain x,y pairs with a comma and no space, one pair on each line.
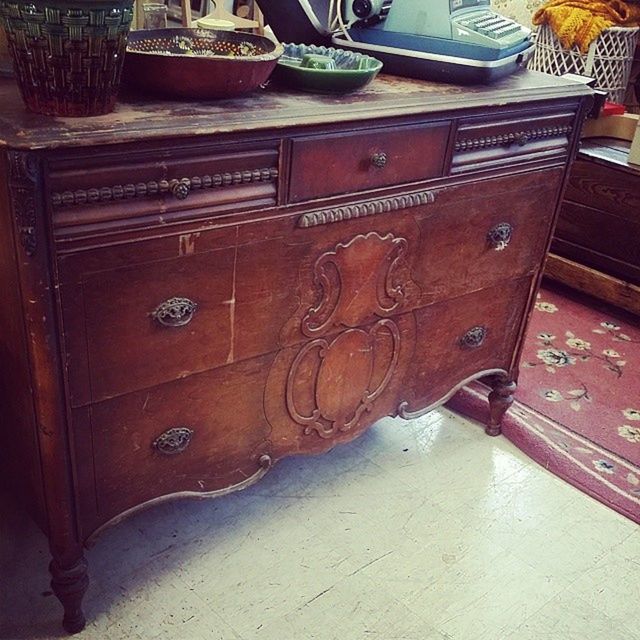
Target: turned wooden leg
70,584
500,400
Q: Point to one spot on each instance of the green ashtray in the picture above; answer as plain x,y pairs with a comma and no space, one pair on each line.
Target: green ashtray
324,69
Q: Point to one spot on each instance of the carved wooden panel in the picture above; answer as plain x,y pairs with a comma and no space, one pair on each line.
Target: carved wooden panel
356,282
340,377
340,380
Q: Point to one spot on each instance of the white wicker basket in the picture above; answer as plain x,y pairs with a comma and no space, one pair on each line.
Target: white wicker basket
608,59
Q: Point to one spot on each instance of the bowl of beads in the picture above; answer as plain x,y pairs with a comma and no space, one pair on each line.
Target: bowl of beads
198,63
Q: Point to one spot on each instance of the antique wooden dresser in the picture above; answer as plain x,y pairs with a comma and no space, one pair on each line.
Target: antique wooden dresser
192,292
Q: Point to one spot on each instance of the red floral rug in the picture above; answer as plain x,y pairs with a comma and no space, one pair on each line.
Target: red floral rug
577,409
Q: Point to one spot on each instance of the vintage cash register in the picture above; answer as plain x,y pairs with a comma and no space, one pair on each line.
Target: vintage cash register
461,41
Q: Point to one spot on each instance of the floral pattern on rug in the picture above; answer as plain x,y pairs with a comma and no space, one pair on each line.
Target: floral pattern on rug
581,367
577,406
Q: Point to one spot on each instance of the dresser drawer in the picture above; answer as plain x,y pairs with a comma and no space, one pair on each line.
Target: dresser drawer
390,262
482,143
461,338
203,434
340,163
144,324
146,187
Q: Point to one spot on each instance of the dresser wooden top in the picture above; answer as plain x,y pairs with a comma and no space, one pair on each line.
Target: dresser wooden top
137,118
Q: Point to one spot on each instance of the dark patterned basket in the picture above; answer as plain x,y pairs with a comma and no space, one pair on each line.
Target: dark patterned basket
68,54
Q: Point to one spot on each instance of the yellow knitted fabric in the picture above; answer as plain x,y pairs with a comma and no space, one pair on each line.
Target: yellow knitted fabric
580,22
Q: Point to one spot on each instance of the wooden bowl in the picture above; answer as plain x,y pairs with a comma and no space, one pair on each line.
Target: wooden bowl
198,63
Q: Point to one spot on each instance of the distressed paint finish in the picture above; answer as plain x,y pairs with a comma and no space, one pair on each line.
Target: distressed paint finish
214,312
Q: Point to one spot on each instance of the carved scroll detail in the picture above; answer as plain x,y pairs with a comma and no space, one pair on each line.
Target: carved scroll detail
352,355
356,282
369,208
179,188
506,139
24,177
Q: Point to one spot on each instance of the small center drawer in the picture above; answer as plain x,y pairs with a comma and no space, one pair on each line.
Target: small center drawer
347,162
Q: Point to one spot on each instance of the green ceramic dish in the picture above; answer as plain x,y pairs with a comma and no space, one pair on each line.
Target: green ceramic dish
324,69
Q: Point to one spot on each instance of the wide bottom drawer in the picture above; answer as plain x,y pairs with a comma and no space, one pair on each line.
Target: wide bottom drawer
461,338
333,387
201,434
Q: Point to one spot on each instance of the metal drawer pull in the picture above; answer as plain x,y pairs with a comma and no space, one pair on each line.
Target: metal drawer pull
500,236
173,441
473,338
379,160
180,188
174,312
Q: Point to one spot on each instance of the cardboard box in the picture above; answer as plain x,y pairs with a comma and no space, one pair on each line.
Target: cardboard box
634,152
622,127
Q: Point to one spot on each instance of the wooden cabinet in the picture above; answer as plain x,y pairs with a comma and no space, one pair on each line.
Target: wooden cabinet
595,248
195,293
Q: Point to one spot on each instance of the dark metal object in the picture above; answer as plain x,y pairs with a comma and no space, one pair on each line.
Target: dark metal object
474,337
175,312
180,188
265,461
500,236
379,160
195,63
173,441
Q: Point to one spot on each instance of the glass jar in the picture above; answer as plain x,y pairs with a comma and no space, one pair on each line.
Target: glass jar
155,15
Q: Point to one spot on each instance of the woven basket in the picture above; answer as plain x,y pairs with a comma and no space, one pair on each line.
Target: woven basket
67,54
608,59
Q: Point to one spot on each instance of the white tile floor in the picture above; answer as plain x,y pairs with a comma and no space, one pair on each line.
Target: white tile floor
427,530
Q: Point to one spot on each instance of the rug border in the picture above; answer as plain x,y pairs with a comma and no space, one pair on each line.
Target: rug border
519,427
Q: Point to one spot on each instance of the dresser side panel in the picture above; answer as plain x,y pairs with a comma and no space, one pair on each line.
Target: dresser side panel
19,455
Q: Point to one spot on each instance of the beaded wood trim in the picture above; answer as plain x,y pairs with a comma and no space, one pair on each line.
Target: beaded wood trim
363,209
506,139
178,187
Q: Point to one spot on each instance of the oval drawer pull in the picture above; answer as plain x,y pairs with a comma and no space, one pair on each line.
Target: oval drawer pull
173,441
499,236
474,337
379,160
174,312
180,188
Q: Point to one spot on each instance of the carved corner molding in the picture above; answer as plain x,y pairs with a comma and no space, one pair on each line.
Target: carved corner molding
506,139
368,208
180,188
24,179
